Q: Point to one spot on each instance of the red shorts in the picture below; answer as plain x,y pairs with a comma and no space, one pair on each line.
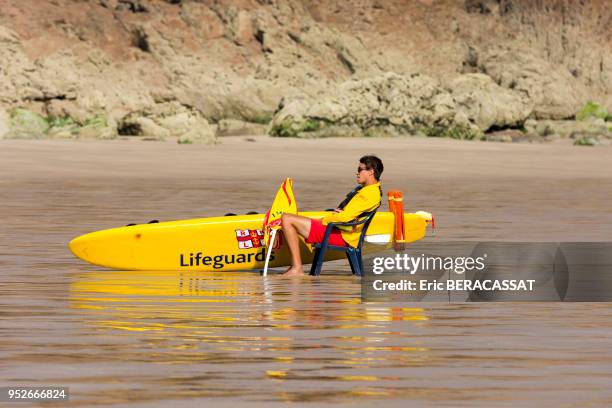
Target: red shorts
317,232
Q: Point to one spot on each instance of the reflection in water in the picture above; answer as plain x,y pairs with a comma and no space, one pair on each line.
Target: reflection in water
123,337
159,301
252,330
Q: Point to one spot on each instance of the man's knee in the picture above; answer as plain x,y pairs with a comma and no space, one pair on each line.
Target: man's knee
286,219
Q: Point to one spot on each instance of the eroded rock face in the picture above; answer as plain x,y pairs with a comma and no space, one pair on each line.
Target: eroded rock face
237,60
486,104
24,124
494,7
233,127
4,123
392,104
18,77
168,120
551,90
21,123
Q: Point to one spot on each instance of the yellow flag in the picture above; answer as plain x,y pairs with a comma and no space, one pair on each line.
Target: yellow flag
284,202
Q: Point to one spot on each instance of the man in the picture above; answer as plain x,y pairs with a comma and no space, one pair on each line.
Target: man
366,197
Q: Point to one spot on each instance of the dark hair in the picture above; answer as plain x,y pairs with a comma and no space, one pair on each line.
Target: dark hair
373,163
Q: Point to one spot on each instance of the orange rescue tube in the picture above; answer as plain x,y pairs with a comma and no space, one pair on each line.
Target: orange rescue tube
396,206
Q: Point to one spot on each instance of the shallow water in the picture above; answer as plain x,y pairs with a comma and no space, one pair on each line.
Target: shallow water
153,338
122,337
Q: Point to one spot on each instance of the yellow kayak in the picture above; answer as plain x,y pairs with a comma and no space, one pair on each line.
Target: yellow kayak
228,243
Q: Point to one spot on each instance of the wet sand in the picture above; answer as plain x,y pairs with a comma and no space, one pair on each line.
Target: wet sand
149,339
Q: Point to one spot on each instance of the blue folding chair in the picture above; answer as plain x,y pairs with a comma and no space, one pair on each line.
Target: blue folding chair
353,254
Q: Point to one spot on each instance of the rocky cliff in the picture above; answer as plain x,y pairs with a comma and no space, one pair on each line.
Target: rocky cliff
79,68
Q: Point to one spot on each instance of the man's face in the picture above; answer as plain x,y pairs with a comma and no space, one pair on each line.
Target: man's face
363,174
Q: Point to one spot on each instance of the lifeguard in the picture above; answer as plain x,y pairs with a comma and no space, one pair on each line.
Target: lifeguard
364,198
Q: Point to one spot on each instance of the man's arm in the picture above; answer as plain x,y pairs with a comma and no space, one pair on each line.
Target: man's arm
358,205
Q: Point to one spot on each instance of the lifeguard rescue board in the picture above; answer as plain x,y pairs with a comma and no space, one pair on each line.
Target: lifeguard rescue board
228,243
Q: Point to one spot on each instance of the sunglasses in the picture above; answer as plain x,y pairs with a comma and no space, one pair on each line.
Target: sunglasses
360,169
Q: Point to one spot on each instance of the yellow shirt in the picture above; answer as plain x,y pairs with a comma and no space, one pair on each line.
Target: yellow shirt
367,199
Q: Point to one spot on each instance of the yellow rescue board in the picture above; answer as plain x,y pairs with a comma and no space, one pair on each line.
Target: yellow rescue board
230,243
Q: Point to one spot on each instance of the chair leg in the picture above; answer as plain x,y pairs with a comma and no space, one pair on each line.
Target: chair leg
353,262
360,261
320,260
315,260
317,265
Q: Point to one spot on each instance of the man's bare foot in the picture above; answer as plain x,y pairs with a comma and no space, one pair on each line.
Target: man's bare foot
294,271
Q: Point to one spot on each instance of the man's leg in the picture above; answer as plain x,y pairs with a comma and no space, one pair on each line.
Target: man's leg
293,226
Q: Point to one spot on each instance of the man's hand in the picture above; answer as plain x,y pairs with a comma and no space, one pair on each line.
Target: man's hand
337,210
